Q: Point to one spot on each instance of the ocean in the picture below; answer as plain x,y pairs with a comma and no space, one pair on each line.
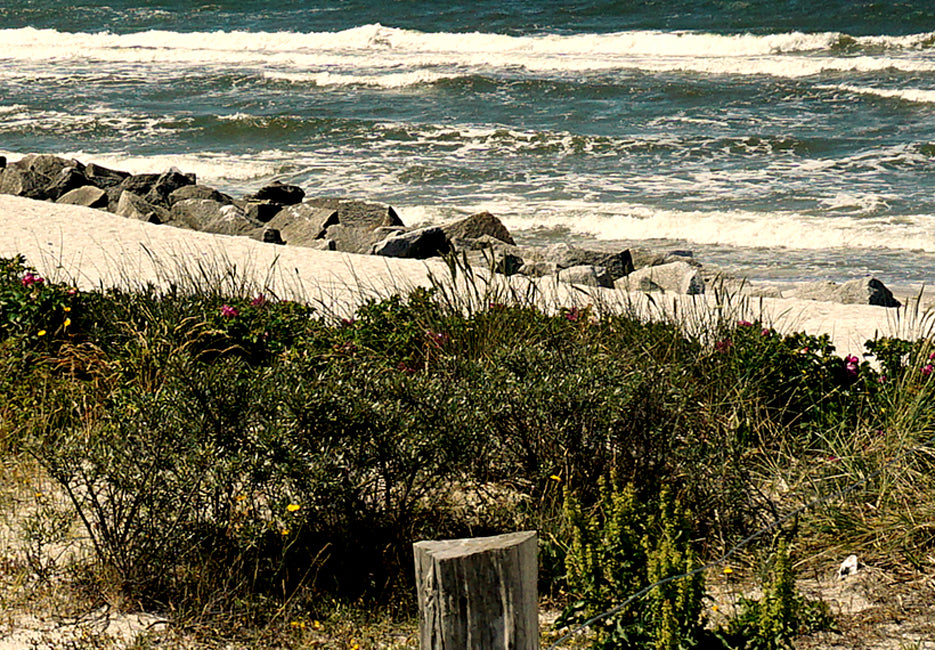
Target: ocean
782,140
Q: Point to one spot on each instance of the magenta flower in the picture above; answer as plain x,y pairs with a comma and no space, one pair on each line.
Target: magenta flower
573,314
347,322
852,365
259,301
765,332
744,323
723,346
229,312
927,369
31,278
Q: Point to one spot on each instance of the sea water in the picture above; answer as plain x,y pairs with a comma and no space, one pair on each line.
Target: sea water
781,140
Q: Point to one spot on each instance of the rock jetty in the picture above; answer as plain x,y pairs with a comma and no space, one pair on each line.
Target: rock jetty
281,213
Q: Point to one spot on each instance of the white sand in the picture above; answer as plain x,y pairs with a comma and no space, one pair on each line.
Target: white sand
92,248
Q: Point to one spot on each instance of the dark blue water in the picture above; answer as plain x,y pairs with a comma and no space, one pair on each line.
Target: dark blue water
782,140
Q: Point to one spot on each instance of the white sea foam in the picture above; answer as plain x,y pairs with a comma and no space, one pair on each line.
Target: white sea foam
411,57
917,95
775,230
388,80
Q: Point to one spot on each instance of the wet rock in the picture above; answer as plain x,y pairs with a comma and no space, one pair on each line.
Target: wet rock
88,196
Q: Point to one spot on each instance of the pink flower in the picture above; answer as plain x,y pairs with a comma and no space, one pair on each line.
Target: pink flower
765,332
723,346
229,312
744,323
852,365
881,379
932,356
927,369
347,322
437,339
259,301
31,278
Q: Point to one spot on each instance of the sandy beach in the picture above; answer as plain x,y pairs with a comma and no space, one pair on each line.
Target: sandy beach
91,248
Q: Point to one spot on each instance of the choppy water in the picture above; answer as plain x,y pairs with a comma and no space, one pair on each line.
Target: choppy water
784,140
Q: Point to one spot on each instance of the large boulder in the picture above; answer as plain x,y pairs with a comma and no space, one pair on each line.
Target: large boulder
134,206
197,192
277,192
165,184
263,211
415,244
676,277
88,196
46,164
859,291
538,268
103,177
588,275
643,257
23,182
479,225
565,256
67,179
346,239
360,214
212,216
303,224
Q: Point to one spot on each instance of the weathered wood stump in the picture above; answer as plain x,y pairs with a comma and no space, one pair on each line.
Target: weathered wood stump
478,593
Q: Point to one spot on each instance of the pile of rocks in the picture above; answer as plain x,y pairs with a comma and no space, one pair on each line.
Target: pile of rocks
282,214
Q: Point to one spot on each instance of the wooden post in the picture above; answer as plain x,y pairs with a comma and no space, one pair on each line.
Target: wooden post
478,593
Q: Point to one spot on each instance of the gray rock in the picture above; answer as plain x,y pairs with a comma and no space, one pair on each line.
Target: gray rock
133,206
566,256
539,268
166,183
88,196
103,177
643,257
497,260
479,225
415,244
677,277
67,179
212,216
272,236
262,211
587,274
198,192
303,224
23,182
46,164
359,214
859,291
354,240
277,192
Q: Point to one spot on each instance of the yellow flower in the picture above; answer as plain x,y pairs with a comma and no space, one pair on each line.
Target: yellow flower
285,531
241,497
316,625
714,608
556,477
293,507
728,570
66,308
67,322
355,646
40,333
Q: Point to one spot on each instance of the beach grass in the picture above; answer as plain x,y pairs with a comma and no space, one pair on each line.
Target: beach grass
251,465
